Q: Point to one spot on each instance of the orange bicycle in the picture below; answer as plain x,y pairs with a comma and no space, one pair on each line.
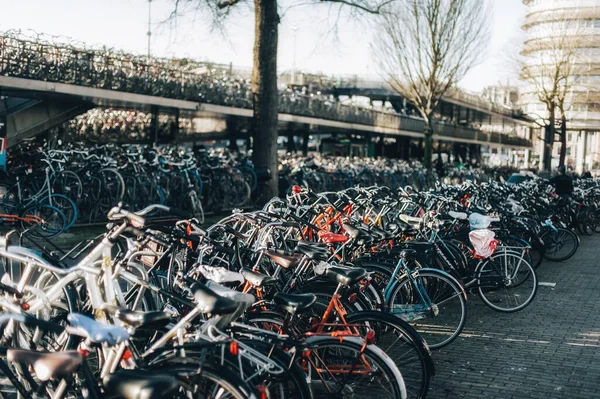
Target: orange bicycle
324,318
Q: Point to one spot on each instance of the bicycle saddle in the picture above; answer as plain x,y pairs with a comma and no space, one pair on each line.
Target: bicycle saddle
293,303
138,384
353,232
458,215
47,365
139,319
285,261
238,297
97,332
144,319
258,279
331,238
209,302
407,253
411,220
312,251
406,228
312,244
345,276
220,275
380,233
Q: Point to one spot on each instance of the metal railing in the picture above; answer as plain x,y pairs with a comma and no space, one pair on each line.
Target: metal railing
188,80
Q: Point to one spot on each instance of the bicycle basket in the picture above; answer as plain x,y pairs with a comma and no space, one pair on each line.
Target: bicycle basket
483,242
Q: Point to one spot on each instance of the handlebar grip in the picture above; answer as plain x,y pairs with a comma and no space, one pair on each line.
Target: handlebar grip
42,324
11,290
234,232
180,213
136,220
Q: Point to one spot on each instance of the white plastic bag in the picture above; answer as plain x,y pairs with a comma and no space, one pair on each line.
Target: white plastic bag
479,221
483,242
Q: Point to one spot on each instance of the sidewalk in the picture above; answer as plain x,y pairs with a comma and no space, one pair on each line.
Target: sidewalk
551,349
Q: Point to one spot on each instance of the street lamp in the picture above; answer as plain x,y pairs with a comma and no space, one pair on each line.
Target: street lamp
295,29
149,33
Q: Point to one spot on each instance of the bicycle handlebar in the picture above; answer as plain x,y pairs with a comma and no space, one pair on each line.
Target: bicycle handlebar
137,219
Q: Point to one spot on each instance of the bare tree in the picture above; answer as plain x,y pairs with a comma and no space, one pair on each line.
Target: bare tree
426,46
552,66
264,71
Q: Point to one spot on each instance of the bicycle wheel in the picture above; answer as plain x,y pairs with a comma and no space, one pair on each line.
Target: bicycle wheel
433,303
53,221
404,345
196,206
69,184
113,182
506,282
67,207
56,311
206,381
340,367
561,244
290,384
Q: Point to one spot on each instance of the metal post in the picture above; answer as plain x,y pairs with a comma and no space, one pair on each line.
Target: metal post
293,80
3,134
149,33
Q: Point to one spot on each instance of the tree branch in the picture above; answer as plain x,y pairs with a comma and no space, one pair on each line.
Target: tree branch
360,6
226,3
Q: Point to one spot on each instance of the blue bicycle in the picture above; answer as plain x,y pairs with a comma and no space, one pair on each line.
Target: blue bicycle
431,300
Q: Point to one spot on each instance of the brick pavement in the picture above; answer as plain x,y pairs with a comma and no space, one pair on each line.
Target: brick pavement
549,350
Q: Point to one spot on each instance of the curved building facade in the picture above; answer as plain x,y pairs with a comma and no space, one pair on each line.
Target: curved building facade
566,30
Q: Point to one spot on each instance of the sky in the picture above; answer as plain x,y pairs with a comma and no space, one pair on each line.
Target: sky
322,41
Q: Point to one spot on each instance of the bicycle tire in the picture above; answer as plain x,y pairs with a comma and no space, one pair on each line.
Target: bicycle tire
58,219
413,357
555,241
320,347
67,183
490,279
438,285
66,205
113,175
188,368
68,305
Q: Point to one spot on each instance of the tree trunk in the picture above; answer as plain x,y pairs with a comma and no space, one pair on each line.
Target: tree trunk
549,140
265,96
428,145
563,138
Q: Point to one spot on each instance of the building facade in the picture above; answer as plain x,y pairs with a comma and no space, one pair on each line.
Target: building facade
567,31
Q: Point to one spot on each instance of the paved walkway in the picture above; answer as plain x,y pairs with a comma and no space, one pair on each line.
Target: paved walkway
549,350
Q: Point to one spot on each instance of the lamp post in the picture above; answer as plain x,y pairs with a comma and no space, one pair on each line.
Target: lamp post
295,29
149,33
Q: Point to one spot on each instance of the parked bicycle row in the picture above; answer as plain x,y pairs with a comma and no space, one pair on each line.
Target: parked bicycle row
48,60
48,191
316,295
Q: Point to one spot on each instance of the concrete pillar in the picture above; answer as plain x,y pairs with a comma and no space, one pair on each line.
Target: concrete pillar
581,151
154,125
305,138
175,127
